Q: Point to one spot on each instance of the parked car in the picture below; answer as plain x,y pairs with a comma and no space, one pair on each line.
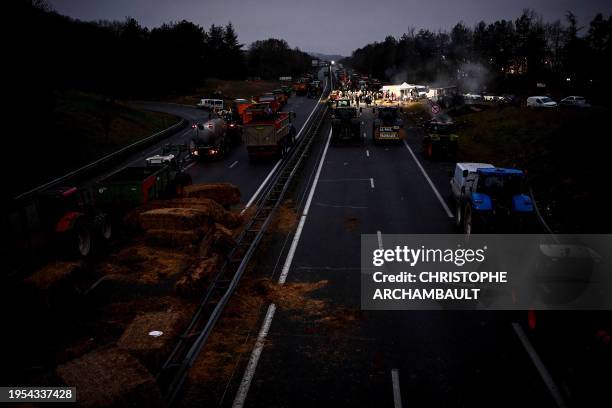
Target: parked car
541,102
575,101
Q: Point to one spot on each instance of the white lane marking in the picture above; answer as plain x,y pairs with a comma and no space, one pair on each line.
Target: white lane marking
550,384
371,182
249,373
190,165
433,187
367,153
298,232
254,196
397,394
379,236
231,166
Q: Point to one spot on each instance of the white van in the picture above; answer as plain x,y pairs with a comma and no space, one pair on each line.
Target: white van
540,102
212,104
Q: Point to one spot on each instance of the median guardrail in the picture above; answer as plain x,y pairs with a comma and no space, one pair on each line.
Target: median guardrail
107,161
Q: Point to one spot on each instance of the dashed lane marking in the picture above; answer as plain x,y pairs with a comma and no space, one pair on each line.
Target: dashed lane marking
431,184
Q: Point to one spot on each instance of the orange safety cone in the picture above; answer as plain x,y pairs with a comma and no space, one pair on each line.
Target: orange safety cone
531,319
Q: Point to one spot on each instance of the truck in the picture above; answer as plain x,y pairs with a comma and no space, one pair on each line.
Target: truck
300,87
490,199
238,108
388,126
314,89
210,139
281,96
440,139
346,125
273,100
267,133
288,90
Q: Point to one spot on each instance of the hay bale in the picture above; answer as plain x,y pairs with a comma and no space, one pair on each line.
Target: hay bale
210,209
150,337
110,377
176,219
195,280
172,238
206,245
225,194
223,240
53,274
53,284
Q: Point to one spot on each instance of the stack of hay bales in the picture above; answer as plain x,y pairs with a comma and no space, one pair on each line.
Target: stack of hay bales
174,227
201,219
225,194
209,208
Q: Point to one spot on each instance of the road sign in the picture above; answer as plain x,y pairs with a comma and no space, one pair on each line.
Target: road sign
435,109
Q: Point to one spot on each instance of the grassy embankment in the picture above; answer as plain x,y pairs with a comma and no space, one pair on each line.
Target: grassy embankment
563,150
77,129
230,89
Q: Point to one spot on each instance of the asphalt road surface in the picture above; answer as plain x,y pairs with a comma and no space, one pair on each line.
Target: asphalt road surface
397,358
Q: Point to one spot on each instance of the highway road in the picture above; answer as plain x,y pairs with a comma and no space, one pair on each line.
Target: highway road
441,358
235,168
341,356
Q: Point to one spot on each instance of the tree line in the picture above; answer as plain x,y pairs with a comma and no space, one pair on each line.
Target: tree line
505,55
122,59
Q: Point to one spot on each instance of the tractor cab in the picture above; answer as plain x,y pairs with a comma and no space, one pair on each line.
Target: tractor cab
496,202
389,115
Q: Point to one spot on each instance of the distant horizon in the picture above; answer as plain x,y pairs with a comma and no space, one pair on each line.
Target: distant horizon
336,28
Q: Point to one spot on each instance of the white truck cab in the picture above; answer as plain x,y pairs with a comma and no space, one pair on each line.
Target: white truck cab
462,180
211,104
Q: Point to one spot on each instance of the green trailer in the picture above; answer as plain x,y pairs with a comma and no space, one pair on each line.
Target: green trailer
133,186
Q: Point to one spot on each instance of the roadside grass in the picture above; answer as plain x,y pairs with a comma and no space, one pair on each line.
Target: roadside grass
565,152
78,129
230,89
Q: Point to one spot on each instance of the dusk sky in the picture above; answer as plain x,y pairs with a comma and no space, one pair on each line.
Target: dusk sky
326,26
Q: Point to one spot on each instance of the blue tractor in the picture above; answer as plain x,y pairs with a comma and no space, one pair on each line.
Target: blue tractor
494,202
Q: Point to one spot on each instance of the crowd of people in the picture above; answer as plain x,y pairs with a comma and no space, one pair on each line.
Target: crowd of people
368,97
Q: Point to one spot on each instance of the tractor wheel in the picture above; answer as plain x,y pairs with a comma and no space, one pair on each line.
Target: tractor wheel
458,215
103,227
81,239
468,220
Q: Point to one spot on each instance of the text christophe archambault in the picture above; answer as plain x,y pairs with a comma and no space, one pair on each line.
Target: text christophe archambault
422,283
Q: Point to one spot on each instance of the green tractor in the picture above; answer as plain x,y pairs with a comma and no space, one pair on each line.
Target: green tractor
346,125
440,140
